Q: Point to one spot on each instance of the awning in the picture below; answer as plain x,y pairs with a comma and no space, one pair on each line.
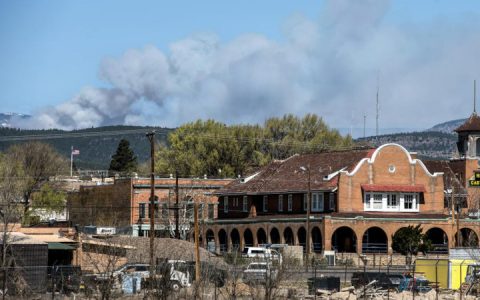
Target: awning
59,246
417,188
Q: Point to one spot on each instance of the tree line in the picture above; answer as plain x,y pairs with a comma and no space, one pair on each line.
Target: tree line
208,147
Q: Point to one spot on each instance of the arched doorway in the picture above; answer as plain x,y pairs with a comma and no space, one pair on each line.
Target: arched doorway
223,240
374,241
344,239
288,236
275,236
302,238
261,236
317,240
248,238
439,240
468,238
235,237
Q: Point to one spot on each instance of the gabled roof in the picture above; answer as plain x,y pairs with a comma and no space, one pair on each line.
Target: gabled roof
472,124
283,176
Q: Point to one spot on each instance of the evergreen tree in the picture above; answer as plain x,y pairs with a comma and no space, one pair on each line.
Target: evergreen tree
124,160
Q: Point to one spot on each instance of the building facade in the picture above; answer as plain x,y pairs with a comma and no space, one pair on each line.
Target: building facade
125,204
359,200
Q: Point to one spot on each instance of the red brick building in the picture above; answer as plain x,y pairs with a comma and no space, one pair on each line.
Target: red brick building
125,204
360,198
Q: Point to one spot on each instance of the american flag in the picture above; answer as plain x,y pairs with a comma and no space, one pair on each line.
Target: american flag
75,152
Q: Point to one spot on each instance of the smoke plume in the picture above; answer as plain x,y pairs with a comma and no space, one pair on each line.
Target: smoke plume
329,66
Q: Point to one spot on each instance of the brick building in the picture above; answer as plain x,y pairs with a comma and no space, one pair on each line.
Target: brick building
359,199
125,204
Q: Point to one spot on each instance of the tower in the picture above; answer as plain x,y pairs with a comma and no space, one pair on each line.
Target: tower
468,143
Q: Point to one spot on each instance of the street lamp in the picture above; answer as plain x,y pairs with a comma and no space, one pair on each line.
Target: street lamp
309,197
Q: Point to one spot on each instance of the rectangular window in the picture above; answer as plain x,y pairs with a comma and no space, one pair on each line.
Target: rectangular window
245,204
317,202
367,201
377,201
408,201
141,210
290,202
280,202
225,204
305,201
392,202
331,201
211,211
265,203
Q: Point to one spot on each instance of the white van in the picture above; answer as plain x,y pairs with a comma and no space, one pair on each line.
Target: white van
262,253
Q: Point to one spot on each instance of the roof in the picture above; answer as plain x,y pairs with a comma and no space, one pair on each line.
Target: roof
453,170
472,124
51,238
287,175
417,188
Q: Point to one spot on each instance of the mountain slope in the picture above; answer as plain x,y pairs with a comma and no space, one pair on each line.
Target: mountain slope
96,145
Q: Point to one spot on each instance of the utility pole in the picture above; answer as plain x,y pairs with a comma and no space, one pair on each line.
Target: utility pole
177,229
197,245
151,138
364,124
309,200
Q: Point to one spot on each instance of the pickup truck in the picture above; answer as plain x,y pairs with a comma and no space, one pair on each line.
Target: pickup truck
259,272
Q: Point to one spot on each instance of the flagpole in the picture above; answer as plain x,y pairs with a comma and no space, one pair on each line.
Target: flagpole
71,162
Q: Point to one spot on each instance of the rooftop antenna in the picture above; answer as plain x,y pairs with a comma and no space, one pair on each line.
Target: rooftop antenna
474,96
364,124
376,128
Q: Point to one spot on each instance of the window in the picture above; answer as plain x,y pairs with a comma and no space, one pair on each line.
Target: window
392,201
265,203
317,202
408,202
225,204
377,201
245,203
290,202
331,201
280,202
211,211
367,201
305,200
401,202
141,210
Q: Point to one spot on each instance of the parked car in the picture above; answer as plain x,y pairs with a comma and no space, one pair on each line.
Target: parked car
135,269
260,272
262,253
64,278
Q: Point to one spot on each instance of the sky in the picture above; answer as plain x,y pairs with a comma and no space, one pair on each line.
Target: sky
79,64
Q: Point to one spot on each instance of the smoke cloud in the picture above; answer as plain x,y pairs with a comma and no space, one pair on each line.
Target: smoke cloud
329,66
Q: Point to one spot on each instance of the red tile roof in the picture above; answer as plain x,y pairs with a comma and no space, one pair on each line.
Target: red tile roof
472,124
287,175
417,188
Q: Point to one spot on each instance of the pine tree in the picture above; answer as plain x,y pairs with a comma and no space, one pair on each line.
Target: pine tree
124,160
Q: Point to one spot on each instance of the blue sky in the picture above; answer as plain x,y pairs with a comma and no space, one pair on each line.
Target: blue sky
51,50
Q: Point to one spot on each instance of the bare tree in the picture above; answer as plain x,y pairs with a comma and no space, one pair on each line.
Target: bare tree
38,161
11,187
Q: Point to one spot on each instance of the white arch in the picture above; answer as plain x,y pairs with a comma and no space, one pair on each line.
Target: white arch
374,156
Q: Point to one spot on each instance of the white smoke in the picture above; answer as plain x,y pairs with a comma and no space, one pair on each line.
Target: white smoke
328,66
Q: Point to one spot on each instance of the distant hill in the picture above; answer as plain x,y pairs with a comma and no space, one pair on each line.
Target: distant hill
447,127
428,144
96,145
